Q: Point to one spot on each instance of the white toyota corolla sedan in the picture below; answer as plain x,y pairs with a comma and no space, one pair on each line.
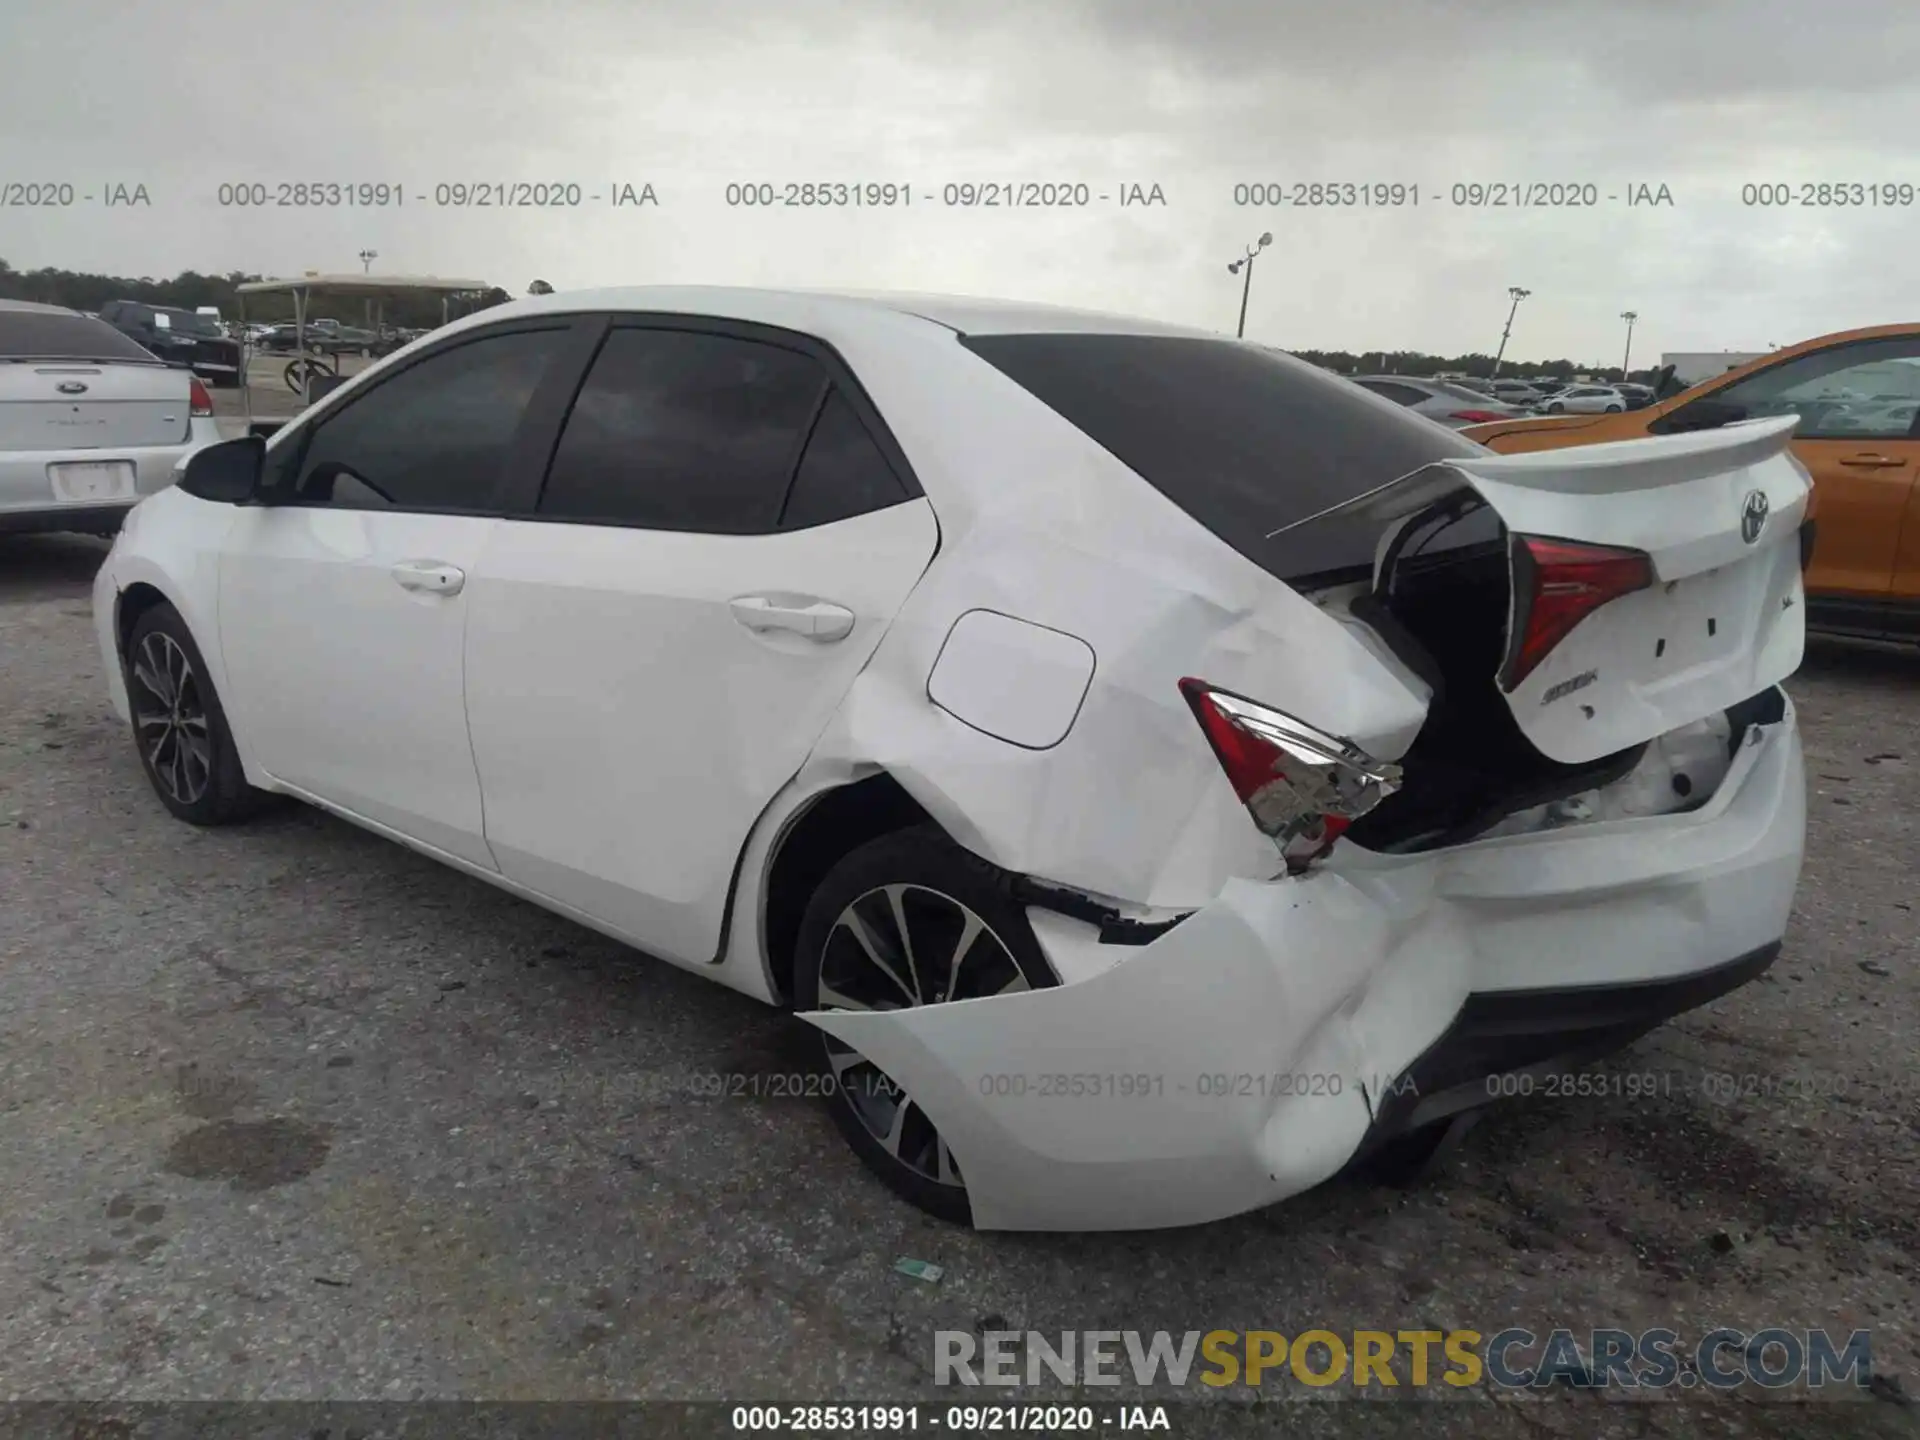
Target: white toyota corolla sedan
1163,773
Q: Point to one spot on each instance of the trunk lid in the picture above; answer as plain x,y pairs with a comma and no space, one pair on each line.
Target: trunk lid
87,405
1717,515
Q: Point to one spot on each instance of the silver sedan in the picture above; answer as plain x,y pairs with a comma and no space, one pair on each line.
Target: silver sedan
1451,405
90,422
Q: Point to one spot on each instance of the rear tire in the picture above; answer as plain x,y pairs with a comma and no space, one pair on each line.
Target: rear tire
1556,408
1613,409
180,730
966,938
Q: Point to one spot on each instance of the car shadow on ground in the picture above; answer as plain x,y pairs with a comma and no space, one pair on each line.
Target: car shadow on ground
33,565
1876,662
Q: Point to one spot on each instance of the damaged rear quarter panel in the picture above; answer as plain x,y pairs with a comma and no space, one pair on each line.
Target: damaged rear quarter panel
1130,803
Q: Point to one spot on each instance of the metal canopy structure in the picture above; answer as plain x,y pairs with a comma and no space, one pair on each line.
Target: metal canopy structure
377,288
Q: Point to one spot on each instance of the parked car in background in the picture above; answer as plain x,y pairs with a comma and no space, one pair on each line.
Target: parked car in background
1516,392
1447,401
1863,575
325,337
182,337
1637,396
90,420
1009,691
1584,400
338,339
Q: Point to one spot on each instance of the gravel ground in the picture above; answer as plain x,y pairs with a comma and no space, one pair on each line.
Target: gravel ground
289,1112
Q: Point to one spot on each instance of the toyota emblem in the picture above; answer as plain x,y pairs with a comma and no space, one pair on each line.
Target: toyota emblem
1753,516
71,387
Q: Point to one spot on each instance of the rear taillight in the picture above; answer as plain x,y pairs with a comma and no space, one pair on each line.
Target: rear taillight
1556,585
1477,417
1302,786
199,402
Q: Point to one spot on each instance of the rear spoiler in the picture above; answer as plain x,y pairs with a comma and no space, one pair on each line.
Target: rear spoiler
1608,468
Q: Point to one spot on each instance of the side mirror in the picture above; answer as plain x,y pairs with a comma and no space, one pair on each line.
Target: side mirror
228,473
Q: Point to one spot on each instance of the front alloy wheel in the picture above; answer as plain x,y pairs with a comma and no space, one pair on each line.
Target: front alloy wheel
179,726
170,718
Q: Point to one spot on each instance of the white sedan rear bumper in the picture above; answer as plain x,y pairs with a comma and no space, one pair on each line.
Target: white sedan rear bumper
1250,1052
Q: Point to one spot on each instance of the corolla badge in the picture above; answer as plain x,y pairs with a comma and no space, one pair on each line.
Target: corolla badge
1753,516
71,387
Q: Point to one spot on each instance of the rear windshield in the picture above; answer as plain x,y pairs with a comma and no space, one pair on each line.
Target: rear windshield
43,335
1242,438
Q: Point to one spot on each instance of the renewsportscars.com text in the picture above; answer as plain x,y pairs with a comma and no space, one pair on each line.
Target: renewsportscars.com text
1773,1357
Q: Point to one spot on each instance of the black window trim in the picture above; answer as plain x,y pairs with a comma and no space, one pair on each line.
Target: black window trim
523,497
556,388
795,460
1665,424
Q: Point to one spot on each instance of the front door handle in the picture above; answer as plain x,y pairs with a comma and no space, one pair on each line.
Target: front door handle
429,576
1872,462
819,620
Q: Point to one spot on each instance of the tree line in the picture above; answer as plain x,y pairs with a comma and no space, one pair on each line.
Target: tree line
190,289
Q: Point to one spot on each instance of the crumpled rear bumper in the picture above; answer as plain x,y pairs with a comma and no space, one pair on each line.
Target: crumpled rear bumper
1250,1052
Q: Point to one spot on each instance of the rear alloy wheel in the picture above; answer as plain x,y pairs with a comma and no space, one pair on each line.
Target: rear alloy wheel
179,728
907,920
1556,408
1613,409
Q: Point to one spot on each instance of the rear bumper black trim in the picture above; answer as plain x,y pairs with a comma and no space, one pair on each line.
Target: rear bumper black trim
1532,1033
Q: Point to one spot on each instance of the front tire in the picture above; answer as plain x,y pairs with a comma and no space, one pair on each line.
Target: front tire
1613,409
908,919
1556,409
179,727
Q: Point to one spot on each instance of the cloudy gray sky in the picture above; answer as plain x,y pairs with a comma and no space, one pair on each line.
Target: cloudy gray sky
1195,96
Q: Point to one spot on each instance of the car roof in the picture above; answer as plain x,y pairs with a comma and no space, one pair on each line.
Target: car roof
962,314
34,307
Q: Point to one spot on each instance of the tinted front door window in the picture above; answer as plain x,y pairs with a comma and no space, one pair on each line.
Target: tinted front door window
435,436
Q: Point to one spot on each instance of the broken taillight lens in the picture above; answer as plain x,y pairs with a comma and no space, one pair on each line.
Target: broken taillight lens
1556,585
1302,786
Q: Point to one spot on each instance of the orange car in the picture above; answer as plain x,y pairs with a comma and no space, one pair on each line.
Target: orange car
1857,393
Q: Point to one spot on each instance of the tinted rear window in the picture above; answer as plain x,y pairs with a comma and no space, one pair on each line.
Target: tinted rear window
1242,438
37,335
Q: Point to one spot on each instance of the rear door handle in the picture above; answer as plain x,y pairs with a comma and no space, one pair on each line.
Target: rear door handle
1872,462
819,620
429,576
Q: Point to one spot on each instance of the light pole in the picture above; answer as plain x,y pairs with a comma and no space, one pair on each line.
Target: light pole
1245,263
367,257
1629,316
1518,295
